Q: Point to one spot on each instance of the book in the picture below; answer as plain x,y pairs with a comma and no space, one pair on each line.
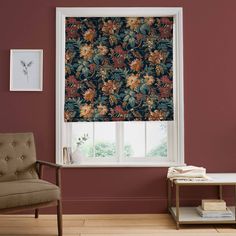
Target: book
214,214
213,205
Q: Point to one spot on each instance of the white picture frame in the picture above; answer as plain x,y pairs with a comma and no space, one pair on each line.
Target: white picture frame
26,70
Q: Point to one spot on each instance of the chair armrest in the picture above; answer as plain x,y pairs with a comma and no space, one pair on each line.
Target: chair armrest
48,164
39,167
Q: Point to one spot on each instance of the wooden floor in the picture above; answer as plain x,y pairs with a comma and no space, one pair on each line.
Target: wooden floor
107,225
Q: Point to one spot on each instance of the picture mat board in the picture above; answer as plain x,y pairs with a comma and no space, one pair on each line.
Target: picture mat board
18,80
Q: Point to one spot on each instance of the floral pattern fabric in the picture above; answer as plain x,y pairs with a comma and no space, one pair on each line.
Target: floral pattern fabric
119,69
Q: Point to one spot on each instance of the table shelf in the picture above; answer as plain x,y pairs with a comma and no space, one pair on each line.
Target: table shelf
189,215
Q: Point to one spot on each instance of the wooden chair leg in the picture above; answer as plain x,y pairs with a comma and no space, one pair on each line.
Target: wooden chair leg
36,213
59,217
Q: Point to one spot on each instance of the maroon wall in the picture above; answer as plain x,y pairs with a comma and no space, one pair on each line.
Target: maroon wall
210,111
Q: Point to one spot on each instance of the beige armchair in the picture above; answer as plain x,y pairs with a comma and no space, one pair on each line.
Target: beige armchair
21,186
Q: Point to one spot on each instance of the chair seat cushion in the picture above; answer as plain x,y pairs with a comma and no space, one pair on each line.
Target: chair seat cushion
27,192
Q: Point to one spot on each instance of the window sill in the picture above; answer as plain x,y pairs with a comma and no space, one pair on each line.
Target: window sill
118,165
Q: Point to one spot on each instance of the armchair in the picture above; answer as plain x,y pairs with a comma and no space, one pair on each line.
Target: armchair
21,184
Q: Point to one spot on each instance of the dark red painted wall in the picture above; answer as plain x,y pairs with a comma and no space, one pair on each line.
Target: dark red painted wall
210,110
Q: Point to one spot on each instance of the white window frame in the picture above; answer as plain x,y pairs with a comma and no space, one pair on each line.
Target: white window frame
119,157
175,128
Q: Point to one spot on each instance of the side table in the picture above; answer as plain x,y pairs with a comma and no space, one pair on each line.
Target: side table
189,215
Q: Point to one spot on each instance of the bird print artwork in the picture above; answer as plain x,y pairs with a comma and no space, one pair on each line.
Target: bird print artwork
26,67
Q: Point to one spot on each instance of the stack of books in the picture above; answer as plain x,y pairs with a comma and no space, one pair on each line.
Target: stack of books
214,208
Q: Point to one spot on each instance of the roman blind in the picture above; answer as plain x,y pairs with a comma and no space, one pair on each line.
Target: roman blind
118,69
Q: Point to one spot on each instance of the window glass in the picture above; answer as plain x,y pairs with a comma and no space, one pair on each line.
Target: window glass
82,138
105,139
134,139
156,139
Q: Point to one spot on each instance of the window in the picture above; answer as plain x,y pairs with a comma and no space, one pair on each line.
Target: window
128,143
120,141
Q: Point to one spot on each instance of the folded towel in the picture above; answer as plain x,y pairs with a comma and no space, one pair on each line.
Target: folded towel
186,169
186,172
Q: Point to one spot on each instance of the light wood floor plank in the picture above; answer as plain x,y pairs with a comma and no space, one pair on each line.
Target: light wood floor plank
225,229
167,234
106,225
92,216
39,223
129,222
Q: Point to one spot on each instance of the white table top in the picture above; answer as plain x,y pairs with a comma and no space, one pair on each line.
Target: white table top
215,179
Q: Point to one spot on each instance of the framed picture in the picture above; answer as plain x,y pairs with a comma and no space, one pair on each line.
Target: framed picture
26,70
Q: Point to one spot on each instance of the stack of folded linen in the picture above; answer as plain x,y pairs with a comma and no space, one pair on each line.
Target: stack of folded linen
187,173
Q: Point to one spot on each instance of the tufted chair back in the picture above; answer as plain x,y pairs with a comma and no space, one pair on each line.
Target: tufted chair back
17,157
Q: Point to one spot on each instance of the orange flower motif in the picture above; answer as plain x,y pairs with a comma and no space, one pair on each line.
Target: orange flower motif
159,70
136,65
89,95
133,81
67,70
156,57
102,110
86,51
149,80
68,115
69,56
109,87
102,50
113,39
89,35
157,115
86,111
133,22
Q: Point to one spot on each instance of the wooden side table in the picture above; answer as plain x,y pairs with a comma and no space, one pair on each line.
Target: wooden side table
189,215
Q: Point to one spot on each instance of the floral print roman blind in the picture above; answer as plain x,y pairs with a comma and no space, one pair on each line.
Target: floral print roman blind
119,69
